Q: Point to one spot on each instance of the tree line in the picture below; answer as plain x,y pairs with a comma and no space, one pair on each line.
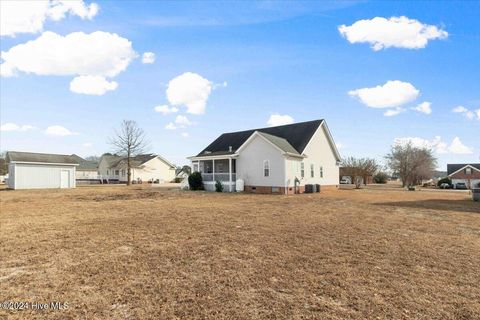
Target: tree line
409,163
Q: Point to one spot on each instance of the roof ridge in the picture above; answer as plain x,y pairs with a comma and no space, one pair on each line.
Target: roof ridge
266,128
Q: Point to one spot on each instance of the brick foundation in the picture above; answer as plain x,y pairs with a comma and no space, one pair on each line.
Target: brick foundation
281,190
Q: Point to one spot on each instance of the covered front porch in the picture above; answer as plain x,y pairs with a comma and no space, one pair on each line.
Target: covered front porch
216,169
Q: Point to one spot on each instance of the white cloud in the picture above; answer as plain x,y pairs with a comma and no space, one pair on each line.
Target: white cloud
171,126
93,85
165,109
87,144
148,57
224,84
437,145
457,147
9,126
99,54
182,121
30,16
398,32
470,115
424,107
185,134
460,109
278,120
390,95
57,130
189,89
394,112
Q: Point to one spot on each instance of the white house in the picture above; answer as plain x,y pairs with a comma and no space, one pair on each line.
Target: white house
86,170
145,167
281,159
27,170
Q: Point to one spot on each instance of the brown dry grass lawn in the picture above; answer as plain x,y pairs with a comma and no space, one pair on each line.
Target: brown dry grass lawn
149,253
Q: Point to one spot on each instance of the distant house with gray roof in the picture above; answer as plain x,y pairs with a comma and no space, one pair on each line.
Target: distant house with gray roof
86,170
145,167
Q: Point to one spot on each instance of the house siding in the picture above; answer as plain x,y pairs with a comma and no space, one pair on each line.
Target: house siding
320,153
153,169
250,164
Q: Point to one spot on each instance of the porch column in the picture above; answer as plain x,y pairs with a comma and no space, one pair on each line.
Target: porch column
230,173
213,170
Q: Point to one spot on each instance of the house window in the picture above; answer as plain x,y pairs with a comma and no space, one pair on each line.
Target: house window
266,168
468,171
302,170
117,172
123,172
107,172
312,170
321,172
195,167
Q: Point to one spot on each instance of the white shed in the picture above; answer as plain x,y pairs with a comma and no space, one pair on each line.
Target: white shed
28,170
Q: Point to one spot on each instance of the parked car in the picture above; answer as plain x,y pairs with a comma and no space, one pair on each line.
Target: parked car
345,181
445,186
461,186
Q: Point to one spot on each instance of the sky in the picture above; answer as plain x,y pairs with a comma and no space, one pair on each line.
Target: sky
379,73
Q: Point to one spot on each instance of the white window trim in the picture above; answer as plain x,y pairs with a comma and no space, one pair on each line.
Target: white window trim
266,166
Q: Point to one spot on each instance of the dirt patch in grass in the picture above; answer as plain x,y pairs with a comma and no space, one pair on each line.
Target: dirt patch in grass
144,253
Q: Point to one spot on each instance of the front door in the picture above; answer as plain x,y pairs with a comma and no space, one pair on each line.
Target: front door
64,179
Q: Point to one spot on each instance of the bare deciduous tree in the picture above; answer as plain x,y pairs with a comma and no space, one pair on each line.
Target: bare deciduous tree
129,141
358,169
412,164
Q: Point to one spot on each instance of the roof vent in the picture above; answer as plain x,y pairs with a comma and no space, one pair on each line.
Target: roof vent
229,148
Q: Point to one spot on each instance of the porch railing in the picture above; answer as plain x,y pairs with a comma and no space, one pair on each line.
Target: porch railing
224,177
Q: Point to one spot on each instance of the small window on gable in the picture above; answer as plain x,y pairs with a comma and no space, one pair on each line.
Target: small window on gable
312,170
302,170
321,172
266,168
468,171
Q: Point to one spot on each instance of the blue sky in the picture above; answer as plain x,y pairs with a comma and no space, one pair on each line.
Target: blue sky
245,62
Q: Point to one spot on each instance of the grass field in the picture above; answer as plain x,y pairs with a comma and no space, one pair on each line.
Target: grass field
150,253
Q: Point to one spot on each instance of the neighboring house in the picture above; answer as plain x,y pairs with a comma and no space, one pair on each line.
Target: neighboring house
466,173
145,167
366,179
28,170
86,170
279,159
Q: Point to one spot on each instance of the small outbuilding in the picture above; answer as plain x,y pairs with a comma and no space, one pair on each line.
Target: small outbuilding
28,170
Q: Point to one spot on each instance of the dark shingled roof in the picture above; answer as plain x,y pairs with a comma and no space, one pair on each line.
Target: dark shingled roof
114,160
297,135
451,168
39,157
